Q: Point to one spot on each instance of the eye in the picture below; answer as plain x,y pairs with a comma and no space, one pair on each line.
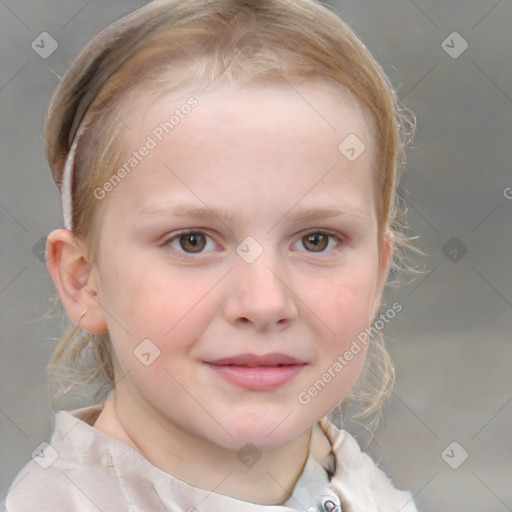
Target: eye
191,242
318,241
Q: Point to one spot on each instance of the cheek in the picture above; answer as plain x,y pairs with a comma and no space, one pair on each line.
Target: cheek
159,304
343,302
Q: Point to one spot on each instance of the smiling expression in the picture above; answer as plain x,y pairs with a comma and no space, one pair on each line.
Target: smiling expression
244,247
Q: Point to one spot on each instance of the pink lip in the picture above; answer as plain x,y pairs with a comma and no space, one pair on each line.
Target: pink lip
257,373
272,359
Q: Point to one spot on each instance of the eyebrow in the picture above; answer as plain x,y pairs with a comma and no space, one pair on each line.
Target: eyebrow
301,215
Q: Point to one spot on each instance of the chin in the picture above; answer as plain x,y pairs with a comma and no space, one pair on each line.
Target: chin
267,432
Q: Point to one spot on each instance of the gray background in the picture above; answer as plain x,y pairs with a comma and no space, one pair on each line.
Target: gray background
452,341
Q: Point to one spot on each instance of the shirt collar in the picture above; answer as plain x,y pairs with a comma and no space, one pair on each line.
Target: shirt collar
312,491
92,447
336,473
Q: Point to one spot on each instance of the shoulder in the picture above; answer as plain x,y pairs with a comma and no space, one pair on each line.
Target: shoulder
361,485
66,474
59,487
48,489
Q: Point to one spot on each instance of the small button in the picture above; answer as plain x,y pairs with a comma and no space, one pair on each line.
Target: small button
106,459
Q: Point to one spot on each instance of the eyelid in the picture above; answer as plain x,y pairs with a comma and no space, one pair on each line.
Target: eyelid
175,235
340,238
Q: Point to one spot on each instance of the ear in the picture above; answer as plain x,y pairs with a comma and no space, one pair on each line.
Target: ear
75,279
385,256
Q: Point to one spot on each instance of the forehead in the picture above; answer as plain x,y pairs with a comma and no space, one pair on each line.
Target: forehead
326,106
285,137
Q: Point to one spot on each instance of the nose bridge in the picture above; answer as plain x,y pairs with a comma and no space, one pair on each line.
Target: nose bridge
261,275
258,294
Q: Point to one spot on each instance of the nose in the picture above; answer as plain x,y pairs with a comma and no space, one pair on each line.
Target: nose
259,297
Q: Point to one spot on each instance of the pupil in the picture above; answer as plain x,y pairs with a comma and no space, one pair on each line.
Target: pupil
193,242
316,242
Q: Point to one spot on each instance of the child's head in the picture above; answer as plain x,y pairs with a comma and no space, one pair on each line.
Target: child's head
233,193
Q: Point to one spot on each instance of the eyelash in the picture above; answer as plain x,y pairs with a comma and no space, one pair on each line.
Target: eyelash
339,239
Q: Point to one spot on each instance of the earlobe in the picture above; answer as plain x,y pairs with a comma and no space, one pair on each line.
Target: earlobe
75,280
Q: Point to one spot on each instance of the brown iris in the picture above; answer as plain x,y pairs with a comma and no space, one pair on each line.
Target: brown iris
315,242
192,242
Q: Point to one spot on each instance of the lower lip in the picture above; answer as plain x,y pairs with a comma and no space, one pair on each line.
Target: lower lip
258,378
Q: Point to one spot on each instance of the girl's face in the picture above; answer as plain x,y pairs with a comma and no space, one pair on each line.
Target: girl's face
239,260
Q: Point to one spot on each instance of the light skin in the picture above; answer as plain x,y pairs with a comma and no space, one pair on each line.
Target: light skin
266,158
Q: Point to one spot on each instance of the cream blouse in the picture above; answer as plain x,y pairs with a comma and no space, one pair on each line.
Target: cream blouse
83,469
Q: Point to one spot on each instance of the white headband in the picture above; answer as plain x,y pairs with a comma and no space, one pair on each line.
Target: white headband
67,187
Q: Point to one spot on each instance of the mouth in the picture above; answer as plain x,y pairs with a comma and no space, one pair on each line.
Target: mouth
252,360
257,372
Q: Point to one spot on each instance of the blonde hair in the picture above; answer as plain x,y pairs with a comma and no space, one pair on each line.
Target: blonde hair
169,43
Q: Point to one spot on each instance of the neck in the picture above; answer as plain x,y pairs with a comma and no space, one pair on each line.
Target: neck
178,452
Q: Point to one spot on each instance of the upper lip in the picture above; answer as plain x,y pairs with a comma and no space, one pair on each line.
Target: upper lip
273,359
